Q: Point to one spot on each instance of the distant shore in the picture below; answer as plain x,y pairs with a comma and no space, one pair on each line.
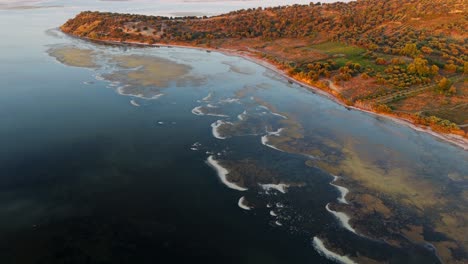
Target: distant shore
453,139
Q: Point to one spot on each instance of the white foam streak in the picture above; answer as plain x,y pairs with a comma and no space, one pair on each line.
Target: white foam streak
242,204
197,111
99,77
195,146
280,115
281,187
218,115
230,100
343,191
322,250
222,174
273,113
265,138
241,117
134,103
155,96
275,133
208,97
120,90
215,126
342,217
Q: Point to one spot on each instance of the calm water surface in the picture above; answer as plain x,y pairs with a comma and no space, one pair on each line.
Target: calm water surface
87,176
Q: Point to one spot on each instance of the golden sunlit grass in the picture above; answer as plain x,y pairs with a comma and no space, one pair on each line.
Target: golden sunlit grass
453,107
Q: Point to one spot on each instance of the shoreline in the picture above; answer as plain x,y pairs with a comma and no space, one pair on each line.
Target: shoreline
342,190
243,205
222,174
453,139
342,218
322,250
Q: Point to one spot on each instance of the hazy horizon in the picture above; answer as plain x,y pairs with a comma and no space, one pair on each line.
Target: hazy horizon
152,7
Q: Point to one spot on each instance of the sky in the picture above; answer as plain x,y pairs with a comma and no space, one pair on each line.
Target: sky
152,7
262,2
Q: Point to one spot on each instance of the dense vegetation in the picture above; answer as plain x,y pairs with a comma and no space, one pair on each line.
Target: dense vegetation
401,48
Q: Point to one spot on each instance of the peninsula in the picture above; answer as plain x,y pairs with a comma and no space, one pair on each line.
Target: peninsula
407,59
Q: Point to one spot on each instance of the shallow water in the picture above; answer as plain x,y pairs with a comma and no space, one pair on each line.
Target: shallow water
97,168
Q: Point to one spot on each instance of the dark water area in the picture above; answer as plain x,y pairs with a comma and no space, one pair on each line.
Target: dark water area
90,175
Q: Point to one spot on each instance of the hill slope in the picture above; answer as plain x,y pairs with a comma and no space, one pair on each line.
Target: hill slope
406,58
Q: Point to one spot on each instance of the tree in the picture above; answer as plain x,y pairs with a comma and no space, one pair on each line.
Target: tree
397,61
419,67
410,50
383,108
426,50
444,84
380,61
451,67
434,70
452,90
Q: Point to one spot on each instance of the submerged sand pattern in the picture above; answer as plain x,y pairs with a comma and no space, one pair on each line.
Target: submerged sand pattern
74,56
382,184
131,75
148,70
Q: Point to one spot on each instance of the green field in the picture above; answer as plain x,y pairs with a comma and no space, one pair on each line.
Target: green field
344,53
338,48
